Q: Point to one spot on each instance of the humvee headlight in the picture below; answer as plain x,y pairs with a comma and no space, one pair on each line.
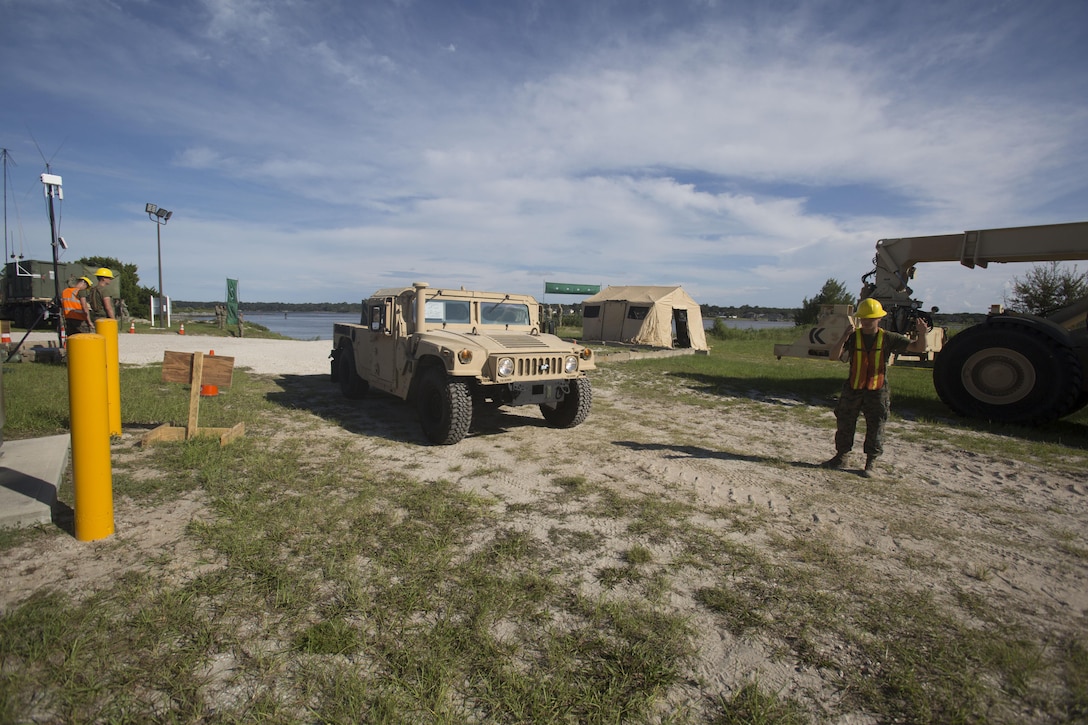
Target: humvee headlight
506,367
586,353
570,365
465,356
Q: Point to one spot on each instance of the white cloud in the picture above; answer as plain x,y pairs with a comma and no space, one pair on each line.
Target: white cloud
743,151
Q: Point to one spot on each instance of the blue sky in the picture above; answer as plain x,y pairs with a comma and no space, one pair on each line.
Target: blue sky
748,150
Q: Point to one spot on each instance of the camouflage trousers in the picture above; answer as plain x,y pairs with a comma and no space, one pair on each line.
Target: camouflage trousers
874,405
75,327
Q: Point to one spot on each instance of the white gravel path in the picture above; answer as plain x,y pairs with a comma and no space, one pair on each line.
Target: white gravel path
271,357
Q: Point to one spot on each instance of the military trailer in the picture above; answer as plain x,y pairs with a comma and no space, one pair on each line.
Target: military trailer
29,288
453,351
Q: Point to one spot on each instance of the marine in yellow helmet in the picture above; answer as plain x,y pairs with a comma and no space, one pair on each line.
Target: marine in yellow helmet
101,303
865,391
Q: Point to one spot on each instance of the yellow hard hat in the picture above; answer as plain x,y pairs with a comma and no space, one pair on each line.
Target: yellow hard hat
88,281
869,308
103,272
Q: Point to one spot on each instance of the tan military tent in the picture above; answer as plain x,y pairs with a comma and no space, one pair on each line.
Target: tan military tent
657,316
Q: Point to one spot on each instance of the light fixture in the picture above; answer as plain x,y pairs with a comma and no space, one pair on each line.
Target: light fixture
160,217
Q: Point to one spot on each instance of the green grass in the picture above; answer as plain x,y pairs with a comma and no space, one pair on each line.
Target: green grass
37,400
451,618
204,328
330,593
414,635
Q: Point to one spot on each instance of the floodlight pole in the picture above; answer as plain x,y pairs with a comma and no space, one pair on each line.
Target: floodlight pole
160,217
162,295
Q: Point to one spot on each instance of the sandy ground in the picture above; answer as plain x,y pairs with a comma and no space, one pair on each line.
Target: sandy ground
1012,533
270,357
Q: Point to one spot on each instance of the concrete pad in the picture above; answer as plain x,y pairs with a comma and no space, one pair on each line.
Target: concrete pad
30,474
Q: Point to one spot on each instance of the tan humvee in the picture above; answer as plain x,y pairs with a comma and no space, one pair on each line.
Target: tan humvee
472,349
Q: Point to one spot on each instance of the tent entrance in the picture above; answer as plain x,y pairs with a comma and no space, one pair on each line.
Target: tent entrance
613,315
680,324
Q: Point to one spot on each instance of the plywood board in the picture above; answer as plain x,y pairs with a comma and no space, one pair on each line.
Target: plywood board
177,367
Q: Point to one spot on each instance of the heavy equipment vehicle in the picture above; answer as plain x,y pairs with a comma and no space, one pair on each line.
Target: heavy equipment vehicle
453,351
1011,368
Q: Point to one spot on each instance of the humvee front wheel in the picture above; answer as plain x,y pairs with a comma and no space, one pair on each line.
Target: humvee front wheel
573,409
445,408
352,386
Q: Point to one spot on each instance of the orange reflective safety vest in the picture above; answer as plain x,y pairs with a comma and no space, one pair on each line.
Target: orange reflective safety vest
73,309
867,366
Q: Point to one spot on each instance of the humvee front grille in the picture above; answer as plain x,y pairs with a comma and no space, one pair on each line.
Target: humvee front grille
538,367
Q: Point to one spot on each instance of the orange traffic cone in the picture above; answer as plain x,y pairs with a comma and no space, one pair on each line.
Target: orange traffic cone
209,391
181,330
131,326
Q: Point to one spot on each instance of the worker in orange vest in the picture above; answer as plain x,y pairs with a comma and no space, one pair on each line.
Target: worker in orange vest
77,313
866,392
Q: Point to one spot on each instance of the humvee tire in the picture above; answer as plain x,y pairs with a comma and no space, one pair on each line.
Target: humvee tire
573,409
445,408
352,386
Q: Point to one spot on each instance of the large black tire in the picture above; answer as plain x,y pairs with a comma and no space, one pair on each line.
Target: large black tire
573,409
445,408
1082,401
1007,373
352,386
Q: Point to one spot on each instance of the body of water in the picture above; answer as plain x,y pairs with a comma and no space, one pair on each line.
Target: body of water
318,325
301,325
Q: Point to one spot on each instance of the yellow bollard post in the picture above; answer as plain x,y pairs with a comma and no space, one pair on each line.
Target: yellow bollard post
107,328
92,474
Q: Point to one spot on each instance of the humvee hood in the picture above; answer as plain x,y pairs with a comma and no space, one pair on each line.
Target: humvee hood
506,340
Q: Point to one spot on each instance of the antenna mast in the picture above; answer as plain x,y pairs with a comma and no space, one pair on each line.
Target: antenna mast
5,155
54,190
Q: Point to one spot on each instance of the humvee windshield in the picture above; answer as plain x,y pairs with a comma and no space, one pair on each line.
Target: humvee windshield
504,313
447,311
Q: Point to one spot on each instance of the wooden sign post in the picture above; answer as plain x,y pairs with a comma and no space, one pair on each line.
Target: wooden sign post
196,370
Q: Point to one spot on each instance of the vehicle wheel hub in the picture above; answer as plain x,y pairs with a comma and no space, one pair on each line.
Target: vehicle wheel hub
998,375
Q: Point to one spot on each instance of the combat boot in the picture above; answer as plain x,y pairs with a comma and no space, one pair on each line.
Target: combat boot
870,467
838,462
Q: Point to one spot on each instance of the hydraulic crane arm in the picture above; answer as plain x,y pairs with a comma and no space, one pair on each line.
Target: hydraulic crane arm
896,258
